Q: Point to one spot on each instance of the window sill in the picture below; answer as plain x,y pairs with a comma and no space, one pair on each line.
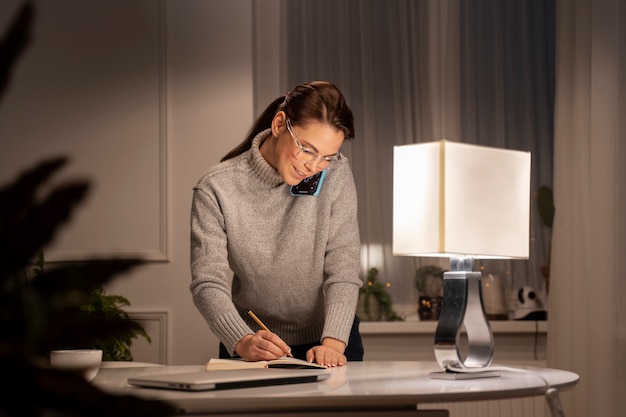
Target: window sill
428,327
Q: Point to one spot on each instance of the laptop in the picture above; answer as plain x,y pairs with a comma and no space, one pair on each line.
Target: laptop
229,379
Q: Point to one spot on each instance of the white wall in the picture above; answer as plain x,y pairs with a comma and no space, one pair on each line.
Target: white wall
144,96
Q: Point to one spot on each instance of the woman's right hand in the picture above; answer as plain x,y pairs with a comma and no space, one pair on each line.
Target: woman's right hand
261,346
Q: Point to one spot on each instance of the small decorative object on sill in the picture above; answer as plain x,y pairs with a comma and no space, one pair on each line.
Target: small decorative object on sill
429,308
529,305
374,302
493,297
429,284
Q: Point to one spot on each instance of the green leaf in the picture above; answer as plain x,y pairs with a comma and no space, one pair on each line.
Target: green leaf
545,205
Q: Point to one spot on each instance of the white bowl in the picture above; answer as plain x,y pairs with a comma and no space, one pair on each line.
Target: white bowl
84,361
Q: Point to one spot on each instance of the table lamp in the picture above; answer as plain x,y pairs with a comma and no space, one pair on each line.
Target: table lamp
464,202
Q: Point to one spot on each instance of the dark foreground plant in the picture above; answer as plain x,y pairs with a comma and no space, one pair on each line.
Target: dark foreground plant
41,312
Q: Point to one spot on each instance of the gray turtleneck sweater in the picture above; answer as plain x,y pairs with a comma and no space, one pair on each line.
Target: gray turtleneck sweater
295,260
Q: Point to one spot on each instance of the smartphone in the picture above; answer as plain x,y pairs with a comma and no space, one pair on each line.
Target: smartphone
309,186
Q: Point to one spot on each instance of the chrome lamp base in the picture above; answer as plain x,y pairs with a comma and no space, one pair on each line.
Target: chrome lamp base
463,306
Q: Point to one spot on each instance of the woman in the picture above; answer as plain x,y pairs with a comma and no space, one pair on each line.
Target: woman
295,259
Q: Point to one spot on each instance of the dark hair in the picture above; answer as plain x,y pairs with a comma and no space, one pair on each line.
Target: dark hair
319,101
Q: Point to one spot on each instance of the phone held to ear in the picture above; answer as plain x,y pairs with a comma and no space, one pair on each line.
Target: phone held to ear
309,186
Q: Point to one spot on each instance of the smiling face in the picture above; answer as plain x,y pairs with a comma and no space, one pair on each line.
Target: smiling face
281,150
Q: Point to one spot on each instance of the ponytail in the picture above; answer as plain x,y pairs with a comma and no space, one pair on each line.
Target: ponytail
263,122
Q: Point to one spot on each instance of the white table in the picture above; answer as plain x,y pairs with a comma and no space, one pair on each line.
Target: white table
397,388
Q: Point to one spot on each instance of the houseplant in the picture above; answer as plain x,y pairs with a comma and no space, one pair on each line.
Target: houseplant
117,347
100,305
374,302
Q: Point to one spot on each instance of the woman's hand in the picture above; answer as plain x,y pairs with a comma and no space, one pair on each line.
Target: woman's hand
329,354
261,346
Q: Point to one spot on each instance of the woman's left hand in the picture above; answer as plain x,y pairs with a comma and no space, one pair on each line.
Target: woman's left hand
329,354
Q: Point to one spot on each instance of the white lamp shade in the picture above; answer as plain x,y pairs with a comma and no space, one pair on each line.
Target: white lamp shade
453,198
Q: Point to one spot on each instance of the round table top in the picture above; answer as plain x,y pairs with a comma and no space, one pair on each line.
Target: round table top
358,384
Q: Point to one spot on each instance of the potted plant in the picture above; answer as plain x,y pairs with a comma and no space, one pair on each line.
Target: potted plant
374,302
116,347
99,305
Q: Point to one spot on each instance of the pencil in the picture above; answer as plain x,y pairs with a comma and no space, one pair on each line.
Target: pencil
258,321
263,326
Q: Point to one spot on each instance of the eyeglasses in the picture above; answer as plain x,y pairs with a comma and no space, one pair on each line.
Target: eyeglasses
305,154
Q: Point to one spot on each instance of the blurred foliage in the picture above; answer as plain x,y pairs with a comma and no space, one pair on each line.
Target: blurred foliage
41,312
545,206
99,306
376,290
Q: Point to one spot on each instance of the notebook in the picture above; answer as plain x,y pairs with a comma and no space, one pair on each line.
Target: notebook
229,379
284,362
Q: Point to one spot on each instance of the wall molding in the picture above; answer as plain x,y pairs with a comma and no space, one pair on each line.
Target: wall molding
156,324
101,100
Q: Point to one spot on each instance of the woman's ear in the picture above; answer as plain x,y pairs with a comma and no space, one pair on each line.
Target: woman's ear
279,123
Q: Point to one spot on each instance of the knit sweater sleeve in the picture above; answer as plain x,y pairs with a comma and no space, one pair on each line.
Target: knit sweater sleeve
342,259
211,284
